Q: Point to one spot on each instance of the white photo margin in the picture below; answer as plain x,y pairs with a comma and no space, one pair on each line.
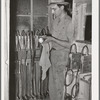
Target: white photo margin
5,33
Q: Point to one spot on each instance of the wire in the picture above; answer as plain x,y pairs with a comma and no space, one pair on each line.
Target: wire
77,90
66,77
67,96
75,85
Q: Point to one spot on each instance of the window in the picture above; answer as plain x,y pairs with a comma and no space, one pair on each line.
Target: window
88,28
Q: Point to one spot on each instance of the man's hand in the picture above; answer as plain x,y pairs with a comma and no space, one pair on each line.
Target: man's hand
48,39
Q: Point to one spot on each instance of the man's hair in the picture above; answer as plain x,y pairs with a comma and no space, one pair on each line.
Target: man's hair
65,9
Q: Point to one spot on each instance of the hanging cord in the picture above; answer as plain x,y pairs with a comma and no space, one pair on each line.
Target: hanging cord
75,48
87,50
66,74
75,85
77,90
67,95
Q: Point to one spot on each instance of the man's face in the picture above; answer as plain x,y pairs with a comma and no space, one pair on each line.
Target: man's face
56,11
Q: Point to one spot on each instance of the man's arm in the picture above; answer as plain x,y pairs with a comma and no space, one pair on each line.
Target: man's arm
69,38
63,43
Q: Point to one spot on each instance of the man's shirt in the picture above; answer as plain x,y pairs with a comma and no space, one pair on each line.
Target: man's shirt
62,30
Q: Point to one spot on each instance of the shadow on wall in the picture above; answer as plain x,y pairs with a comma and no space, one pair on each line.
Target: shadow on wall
12,50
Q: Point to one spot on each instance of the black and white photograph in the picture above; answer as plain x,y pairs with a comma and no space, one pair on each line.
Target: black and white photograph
47,50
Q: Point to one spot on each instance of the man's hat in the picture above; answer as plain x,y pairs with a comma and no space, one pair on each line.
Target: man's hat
58,2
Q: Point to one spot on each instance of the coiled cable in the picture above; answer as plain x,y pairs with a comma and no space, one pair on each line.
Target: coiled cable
66,77
76,85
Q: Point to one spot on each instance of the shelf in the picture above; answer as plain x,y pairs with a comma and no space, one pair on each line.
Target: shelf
33,15
23,15
83,41
40,15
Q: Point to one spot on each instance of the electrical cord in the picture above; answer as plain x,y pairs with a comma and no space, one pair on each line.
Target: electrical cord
77,90
66,77
67,95
75,85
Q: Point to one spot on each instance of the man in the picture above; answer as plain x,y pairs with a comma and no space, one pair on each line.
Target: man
61,39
